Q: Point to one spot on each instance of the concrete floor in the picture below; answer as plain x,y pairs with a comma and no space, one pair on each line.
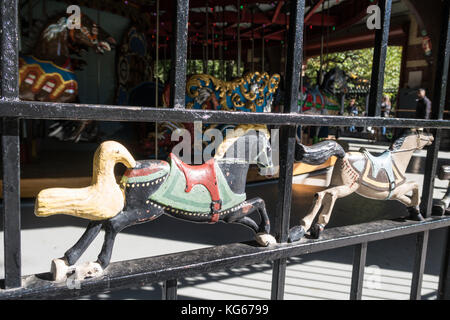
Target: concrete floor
324,275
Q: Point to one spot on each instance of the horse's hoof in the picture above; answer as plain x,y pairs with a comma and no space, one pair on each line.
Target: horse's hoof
296,233
60,268
88,270
265,239
414,214
316,230
439,210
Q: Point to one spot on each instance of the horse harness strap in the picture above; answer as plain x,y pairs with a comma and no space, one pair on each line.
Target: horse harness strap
205,175
382,162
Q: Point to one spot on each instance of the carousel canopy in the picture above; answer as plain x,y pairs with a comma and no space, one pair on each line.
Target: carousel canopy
220,24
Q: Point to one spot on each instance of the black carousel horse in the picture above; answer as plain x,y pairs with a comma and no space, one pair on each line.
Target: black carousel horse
152,188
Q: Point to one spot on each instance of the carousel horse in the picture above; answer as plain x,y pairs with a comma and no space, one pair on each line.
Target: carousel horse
322,99
47,73
375,177
208,193
254,92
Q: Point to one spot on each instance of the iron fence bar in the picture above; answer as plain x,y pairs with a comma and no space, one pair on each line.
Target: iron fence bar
359,263
444,276
139,272
439,95
170,289
287,136
178,89
10,145
11,202
431,163
66,111
419,265
179,50
379,58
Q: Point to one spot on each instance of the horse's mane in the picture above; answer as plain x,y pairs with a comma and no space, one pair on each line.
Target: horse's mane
38,29
53,29
238,132
397,144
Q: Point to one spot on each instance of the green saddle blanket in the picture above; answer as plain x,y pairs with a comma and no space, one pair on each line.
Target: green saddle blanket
172,193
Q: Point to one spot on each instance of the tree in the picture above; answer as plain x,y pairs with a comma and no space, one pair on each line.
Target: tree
359,63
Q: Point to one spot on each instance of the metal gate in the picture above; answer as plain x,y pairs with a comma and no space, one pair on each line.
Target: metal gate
169,268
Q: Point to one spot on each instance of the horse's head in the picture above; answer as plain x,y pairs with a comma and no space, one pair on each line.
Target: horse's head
335,80
90,35
248,144
264,156
414,139
424,138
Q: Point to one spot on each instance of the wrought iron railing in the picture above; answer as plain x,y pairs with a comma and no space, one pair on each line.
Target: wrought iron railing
169,268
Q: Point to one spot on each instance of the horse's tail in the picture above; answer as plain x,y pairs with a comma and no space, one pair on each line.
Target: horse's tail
318,153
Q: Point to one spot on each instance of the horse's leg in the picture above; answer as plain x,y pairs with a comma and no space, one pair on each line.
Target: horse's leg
262,230
60,267
298,232
73,254
412,203
123,220
329,199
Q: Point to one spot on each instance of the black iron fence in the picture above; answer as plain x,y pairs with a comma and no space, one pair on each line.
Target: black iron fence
169,268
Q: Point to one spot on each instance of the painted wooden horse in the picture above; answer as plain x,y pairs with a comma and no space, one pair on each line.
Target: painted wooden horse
212,192
376,177
254,92
47,73
323,99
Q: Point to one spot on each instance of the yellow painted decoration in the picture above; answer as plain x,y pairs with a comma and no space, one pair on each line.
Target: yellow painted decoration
103,199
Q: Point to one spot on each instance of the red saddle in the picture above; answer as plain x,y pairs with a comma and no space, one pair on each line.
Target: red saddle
204,174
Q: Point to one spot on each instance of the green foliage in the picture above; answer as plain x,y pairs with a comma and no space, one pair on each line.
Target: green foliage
196,67
359,63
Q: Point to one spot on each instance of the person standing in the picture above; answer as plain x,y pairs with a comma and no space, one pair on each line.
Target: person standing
352,109
386,110
423,107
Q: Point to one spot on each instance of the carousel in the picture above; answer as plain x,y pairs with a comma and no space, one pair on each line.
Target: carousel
119,53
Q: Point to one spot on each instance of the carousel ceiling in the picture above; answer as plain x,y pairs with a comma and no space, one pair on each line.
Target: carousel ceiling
221,23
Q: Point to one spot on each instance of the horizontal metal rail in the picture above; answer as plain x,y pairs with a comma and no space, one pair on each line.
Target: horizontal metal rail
140,272
63,111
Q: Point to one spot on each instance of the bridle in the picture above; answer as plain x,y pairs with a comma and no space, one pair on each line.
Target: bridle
86,32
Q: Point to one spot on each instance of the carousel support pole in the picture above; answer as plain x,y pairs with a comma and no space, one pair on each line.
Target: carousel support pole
10,146
262,51
342,104
239,39
222,63
98,64
287,135
321,43
205,61
253,41
213,57
156,77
